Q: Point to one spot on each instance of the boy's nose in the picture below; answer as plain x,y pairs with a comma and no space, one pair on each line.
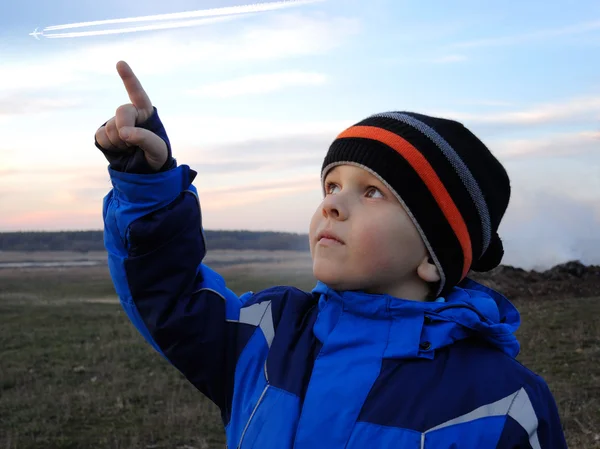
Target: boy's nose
334,208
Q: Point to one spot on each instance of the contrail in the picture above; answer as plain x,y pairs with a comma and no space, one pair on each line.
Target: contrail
155,26
214,13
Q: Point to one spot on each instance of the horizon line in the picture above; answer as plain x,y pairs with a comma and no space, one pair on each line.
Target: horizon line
102,230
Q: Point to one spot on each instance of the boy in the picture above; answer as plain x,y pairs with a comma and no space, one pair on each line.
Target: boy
394,347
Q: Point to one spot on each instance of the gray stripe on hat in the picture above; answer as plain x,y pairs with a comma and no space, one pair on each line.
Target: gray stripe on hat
459,166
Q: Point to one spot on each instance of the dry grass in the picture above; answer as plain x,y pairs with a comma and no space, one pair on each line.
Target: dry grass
74,373
217,258
54,256
560,340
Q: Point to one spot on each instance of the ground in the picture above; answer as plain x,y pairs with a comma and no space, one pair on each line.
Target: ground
74,372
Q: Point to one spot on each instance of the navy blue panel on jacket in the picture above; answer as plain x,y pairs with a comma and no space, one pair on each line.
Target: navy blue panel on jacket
320,369
444,376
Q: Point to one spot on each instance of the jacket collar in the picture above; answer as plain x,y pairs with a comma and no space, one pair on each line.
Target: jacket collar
417,329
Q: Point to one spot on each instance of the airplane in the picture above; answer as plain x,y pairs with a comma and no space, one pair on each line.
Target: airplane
36,33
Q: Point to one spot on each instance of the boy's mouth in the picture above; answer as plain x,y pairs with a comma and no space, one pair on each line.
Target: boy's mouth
329,237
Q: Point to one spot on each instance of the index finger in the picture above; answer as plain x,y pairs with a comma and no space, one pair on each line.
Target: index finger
134,88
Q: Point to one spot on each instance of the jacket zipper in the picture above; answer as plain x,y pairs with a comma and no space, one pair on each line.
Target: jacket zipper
252,415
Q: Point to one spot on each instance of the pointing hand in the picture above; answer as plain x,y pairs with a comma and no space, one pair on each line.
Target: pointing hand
121,133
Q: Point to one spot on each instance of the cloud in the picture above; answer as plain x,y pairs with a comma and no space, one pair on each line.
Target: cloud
448,59
224,166
43,72
220,163
298,183
566,144
284,203
533,36
80,172
206,143
452,58
52,203
198,133
287,146
280,36
51,220
541,230
573,110
487,103
28,103
258,165
259,84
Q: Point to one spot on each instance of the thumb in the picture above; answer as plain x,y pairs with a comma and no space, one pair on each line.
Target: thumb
154,148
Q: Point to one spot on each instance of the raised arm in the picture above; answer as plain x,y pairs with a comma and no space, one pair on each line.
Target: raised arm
155,243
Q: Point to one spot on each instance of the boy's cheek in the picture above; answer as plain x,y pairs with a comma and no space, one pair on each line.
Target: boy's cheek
314,225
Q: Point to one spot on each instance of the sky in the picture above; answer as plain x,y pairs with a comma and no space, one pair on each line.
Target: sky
252,96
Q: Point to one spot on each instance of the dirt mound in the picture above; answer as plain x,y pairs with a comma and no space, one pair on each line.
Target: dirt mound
564,280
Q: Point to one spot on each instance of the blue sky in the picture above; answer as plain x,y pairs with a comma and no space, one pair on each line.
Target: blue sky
253,102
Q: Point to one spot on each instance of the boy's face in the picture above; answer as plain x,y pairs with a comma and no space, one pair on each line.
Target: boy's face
361,238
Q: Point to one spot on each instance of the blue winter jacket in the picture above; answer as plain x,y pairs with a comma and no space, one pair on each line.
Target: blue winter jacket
320,369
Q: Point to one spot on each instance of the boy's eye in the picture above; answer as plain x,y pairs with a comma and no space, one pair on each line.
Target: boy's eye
330,188
374,192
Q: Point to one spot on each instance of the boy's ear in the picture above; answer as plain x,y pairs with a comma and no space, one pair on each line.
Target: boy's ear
428,271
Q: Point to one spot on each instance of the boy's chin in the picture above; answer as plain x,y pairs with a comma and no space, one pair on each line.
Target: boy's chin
333,280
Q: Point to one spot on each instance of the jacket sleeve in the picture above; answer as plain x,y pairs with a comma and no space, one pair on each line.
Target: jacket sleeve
155,243
533,420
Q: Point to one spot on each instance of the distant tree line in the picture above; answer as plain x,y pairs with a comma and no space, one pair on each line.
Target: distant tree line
84,241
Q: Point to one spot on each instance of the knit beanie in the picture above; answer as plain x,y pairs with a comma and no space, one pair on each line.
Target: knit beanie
452,187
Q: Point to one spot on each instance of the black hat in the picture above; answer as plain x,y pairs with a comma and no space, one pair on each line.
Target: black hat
453,188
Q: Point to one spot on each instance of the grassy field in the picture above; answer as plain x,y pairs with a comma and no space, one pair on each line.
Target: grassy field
74,373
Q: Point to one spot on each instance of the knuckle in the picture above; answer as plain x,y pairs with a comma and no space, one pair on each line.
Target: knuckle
112,133
110,125
113,136
123,107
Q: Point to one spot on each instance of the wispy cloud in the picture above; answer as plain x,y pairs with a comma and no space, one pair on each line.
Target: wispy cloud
51,220
252,134
272,187
4,172
38,74
81,173
27,103
259,84
449,59
569,110
258,157
255,192
289,143
281,36
532,36
566,144
77,204
488,103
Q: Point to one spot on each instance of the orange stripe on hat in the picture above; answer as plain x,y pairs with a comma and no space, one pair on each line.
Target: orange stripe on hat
428,175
